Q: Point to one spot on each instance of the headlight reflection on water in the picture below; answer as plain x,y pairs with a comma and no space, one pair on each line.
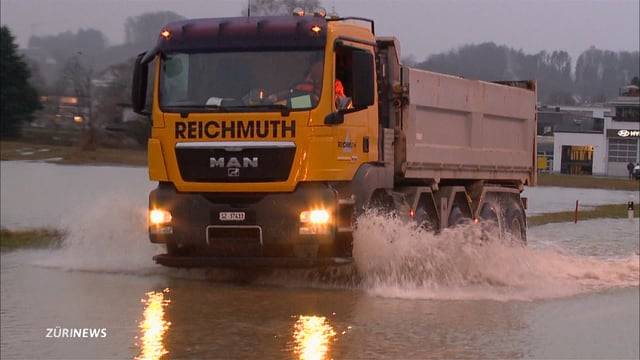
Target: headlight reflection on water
153,326
312,336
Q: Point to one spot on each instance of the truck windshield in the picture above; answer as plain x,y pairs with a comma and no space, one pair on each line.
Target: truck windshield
253,81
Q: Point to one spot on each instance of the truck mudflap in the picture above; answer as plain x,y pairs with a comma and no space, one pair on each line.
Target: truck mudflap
249,262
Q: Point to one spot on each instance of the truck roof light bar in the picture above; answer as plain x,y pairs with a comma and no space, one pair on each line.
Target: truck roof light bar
320,12
371,22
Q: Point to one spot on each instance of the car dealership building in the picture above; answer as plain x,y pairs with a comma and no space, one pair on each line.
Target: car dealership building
599,140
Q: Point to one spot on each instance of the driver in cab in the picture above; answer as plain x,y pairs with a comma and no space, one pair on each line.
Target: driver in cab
311,85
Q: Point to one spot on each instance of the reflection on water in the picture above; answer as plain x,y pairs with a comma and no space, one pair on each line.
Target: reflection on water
312,336
153,326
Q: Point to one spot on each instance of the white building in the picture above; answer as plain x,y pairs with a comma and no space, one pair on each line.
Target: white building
608,142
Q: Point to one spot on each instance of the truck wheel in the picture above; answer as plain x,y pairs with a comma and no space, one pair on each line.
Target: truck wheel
457,216
382,202
515,223
489,212
489,215
425,216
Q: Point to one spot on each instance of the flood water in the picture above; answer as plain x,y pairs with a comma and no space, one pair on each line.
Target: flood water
55,190
544,199
572,293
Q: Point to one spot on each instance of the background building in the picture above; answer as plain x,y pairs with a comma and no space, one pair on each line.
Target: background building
595,140
623,131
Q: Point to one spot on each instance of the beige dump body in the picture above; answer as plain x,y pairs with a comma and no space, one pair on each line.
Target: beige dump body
467,129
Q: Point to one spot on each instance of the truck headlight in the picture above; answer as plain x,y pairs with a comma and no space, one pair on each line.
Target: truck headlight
314,222
159,216
315,217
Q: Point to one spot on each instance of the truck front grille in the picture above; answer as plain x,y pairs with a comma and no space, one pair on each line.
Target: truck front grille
234,240
235,163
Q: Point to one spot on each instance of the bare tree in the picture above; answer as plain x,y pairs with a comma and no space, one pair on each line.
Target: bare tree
76,76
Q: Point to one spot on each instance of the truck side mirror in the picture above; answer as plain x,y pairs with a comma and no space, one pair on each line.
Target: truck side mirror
334,118
139,86
362,72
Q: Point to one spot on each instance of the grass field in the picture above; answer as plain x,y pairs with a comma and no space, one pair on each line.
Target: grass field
13,150
577,181
31,238
616,211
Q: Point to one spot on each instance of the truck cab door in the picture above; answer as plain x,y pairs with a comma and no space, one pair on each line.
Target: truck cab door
354,117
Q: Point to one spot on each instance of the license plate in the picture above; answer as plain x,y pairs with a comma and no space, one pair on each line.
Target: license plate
232,216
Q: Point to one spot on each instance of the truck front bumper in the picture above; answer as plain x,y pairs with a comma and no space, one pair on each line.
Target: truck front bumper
249,262
269,234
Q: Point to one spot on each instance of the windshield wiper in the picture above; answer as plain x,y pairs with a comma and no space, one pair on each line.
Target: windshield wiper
284,109
196,107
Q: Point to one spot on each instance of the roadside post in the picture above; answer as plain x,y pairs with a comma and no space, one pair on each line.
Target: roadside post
630,208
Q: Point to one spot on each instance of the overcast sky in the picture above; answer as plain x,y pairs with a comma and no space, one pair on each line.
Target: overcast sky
423,27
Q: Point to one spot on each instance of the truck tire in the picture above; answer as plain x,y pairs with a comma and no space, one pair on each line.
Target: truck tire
515,222
489,214
457,216
425,216
382,202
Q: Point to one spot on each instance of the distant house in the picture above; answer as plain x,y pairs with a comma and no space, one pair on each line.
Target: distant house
62,112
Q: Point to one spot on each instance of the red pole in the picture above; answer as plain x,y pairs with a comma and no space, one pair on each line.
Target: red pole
575,215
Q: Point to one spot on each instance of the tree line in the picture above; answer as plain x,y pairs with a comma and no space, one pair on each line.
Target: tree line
597,77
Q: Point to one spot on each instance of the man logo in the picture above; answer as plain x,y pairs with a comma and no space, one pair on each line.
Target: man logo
624,133
233,162
233,172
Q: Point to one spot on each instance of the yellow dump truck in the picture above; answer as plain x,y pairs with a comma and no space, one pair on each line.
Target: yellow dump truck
271,135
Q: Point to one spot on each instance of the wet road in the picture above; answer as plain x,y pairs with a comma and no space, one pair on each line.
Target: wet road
573,293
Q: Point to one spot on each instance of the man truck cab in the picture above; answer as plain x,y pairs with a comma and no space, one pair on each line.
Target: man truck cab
258,164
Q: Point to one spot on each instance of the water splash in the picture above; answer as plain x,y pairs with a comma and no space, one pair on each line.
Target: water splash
108,236
392,258
395,259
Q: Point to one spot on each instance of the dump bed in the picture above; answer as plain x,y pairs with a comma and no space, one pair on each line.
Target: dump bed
457,128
